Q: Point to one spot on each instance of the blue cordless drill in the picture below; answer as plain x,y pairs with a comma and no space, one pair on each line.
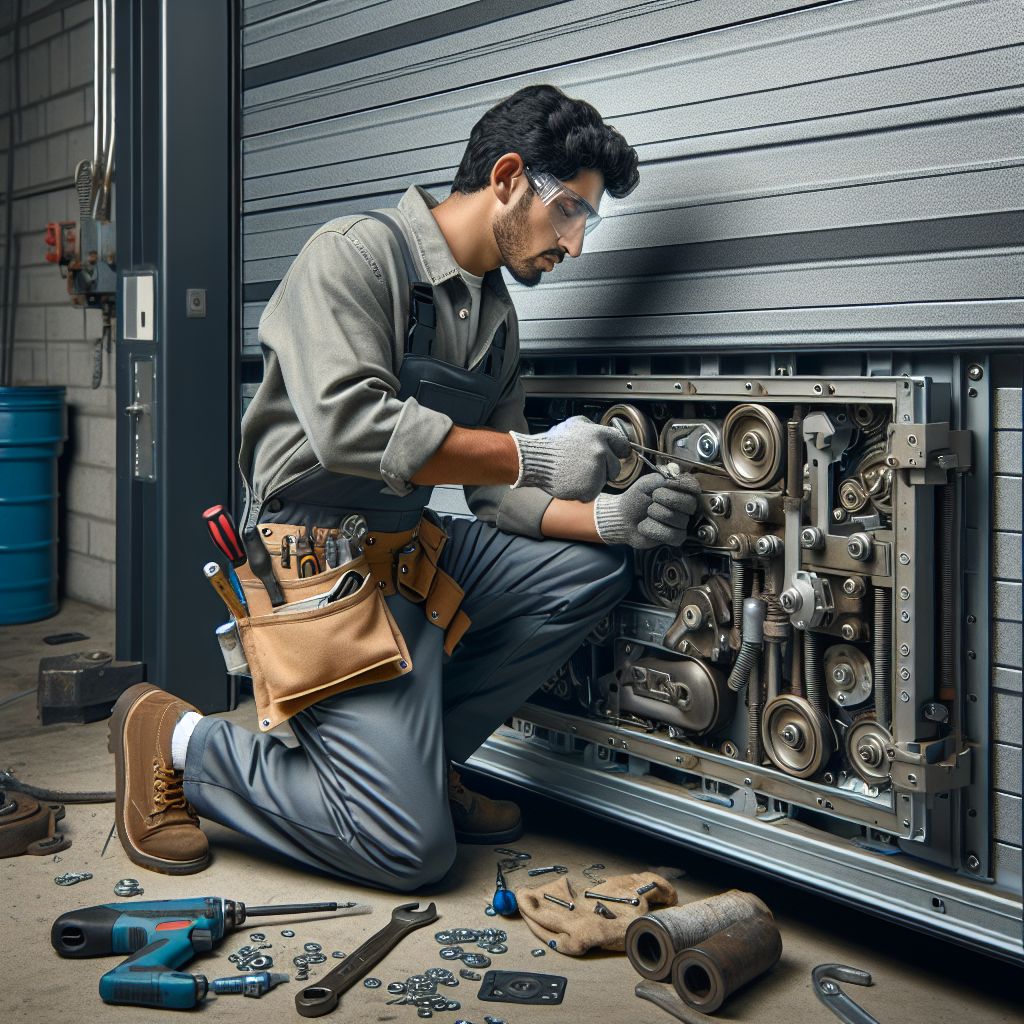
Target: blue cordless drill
161,936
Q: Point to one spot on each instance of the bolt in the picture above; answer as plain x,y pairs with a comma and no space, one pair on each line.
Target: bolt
904,593
972,655
904,649
911,438
692,616
752,445
842,676
811,538
707,446
906,823
849,631
860,547
757,509
975,372
971,620
841,698
769,546
748,386
904,696
912,778
792,737
707,533
789,600
853,586
972,392
718,504
973,863
904,558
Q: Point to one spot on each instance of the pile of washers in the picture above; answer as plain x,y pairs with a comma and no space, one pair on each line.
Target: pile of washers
312,953
252,958
492,940
420,990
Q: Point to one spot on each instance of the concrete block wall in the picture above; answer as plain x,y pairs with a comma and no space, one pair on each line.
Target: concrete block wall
54,340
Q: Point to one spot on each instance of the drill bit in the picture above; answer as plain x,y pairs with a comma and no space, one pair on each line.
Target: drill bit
254,985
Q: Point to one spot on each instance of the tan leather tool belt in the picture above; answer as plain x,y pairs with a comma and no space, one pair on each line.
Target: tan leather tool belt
297,658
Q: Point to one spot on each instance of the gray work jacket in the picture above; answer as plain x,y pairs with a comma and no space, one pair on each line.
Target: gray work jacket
332,339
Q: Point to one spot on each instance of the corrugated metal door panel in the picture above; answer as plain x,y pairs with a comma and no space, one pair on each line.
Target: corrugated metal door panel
797,157
472,44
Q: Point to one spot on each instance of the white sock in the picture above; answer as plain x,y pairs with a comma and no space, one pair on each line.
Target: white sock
180,737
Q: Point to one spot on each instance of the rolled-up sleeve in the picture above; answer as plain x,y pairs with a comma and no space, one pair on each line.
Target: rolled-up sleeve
331,328
519,510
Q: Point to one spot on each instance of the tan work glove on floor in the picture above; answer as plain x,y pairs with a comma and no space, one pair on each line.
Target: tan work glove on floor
576,931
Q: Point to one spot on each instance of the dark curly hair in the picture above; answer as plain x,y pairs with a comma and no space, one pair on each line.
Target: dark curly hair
552,133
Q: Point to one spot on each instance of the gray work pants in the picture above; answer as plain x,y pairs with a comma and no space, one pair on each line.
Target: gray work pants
364,794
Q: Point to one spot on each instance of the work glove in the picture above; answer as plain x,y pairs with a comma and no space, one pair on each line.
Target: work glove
573,460
654,510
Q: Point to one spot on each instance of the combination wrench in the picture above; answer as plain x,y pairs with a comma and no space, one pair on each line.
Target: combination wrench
316,1000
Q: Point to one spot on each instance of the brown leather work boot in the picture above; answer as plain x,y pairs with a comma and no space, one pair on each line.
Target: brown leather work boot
157,827
478,819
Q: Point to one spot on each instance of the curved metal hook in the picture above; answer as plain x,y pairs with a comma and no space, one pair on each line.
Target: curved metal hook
826,978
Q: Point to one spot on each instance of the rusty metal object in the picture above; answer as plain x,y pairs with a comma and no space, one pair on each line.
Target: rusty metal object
705,975
28,826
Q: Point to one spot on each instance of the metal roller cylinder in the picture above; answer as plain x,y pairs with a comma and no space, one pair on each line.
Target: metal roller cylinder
653,940
705,975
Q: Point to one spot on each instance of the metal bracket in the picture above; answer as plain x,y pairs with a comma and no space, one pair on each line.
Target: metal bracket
929,451
826,978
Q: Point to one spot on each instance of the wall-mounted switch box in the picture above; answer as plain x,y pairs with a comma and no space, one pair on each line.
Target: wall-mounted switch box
139,306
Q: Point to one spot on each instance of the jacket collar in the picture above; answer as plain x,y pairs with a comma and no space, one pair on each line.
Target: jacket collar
431,246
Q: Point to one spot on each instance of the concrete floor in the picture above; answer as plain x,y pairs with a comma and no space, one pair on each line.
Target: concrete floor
916,978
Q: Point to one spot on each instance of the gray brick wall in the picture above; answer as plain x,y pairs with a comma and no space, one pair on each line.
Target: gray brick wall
53,339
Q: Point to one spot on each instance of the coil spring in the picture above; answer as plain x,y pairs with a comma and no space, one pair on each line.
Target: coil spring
740,582
814,682
947,524
882,668
755,753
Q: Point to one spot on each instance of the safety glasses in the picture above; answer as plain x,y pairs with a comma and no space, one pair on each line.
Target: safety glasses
569,213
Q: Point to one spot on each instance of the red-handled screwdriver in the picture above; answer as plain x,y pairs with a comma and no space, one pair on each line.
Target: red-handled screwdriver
222,529
223,533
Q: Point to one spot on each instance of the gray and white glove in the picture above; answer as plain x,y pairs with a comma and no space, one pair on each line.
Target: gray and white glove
653,510
573,460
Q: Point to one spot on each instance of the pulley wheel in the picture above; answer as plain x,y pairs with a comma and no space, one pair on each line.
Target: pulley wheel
847,675
796,739
665,575
637,426
867,743
753,446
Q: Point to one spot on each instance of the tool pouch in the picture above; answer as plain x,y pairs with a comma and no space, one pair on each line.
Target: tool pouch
298,658
407,563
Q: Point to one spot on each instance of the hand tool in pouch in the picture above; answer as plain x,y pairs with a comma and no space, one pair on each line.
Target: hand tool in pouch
223,533
161,936
215,574
260,562
321,998
308,564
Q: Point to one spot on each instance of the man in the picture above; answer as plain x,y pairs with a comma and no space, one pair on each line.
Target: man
350,418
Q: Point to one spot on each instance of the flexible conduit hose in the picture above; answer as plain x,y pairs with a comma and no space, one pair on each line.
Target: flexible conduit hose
754,611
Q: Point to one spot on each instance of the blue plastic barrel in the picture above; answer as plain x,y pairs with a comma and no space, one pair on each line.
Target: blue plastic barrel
33,429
